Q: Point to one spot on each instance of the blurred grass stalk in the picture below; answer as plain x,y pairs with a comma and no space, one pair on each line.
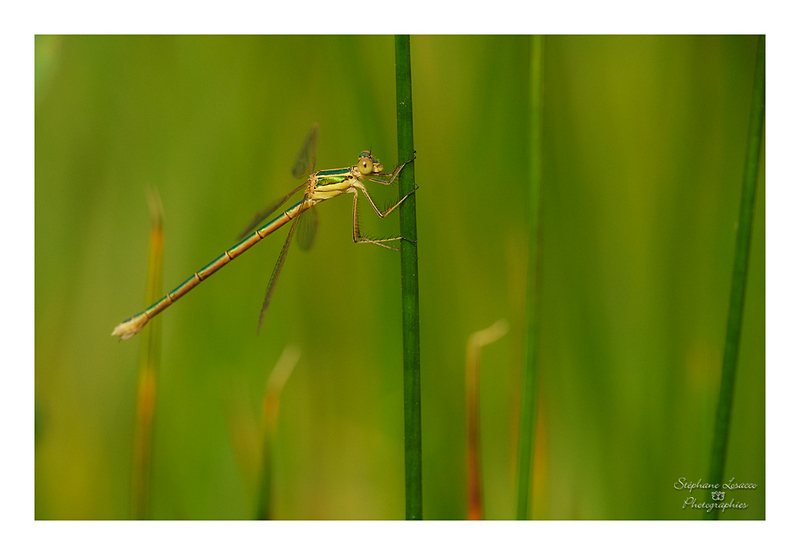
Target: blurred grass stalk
475,343
409,283
738,286
272,399
530,378
148,365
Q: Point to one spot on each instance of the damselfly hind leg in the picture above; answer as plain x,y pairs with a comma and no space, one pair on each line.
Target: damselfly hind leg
357,237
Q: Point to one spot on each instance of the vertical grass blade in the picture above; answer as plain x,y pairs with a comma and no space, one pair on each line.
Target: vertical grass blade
738,285
409,283
475,343
530,378
272,398
148,366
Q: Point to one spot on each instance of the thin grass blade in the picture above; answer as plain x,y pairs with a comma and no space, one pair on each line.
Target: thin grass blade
475,343
739,282
530,378
271,405
148,366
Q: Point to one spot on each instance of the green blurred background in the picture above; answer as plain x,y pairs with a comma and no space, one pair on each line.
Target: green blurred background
644,143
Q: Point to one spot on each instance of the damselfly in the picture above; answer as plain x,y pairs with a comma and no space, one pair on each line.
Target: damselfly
319,186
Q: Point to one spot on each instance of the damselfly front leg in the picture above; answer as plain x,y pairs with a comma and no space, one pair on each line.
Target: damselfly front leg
393,175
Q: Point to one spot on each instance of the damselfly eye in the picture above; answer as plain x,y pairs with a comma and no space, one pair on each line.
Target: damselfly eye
365,165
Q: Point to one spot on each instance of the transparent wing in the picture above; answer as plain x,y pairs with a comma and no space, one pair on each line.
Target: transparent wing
307,228
304,164
273,280
264,214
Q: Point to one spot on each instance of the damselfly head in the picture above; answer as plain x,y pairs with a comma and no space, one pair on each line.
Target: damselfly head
368,164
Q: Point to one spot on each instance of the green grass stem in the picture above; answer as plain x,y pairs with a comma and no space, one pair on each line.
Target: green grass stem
738,286
409,283
530,378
